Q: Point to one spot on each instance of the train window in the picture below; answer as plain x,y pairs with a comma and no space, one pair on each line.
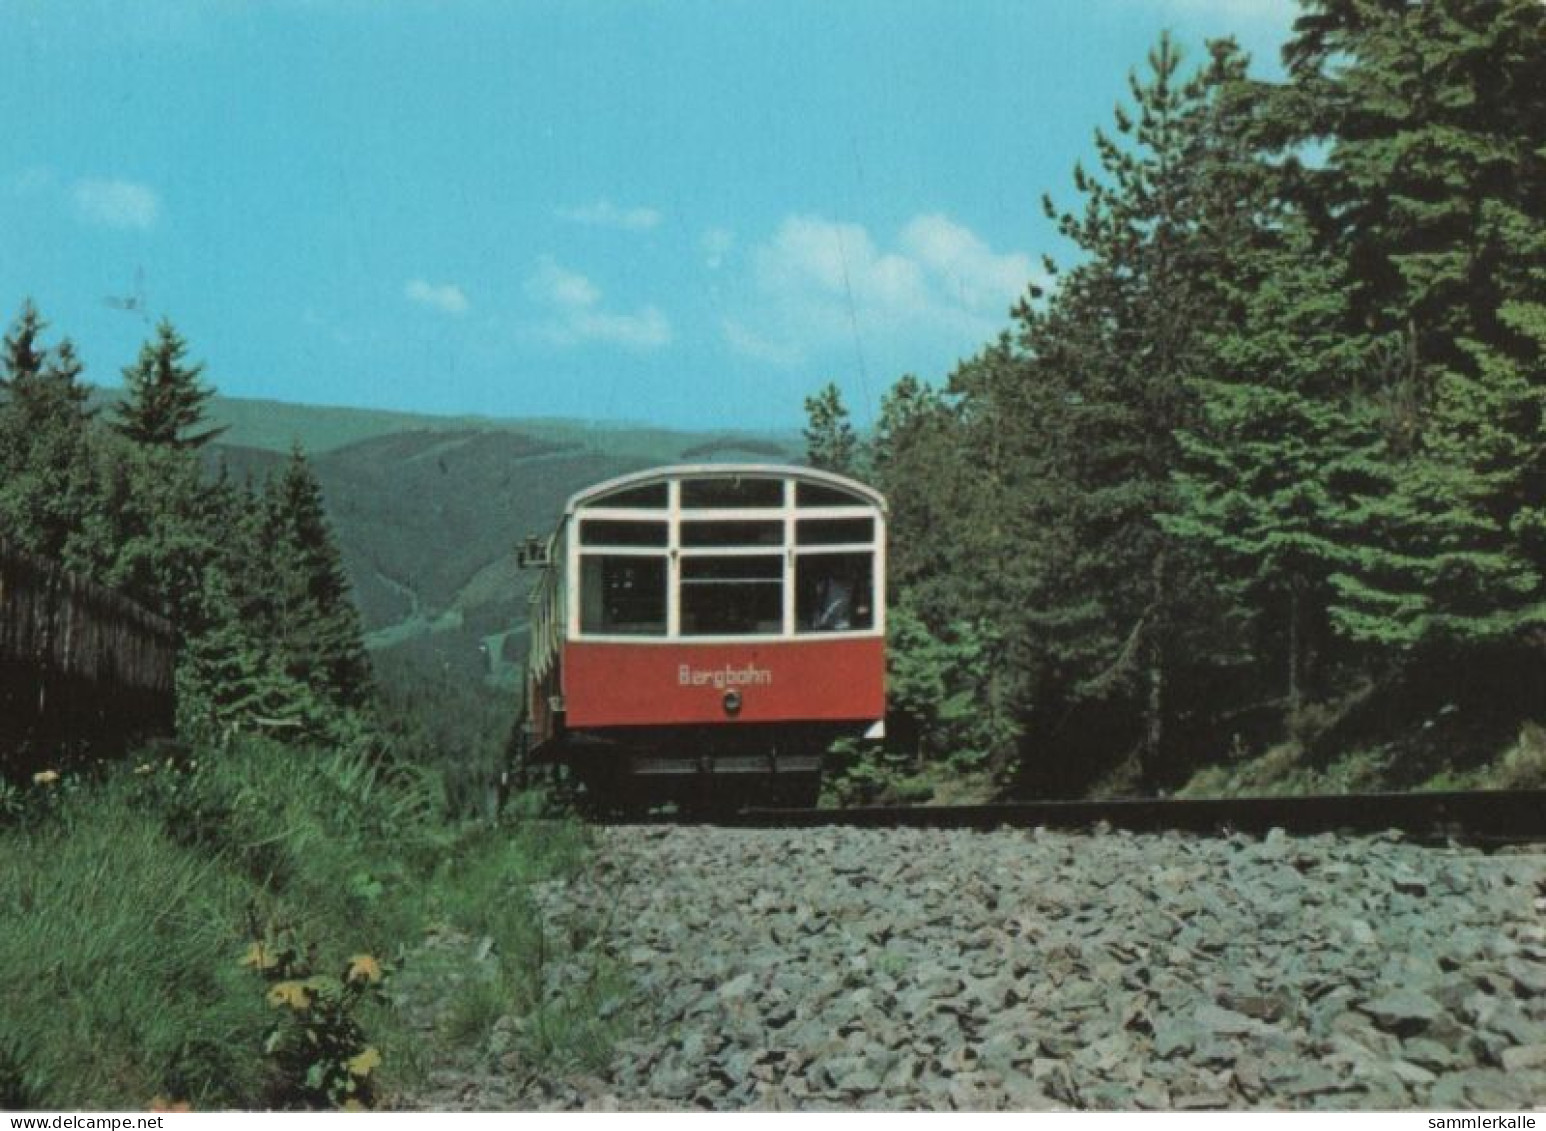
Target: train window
701,494
732,596
732,533
833,531
834,592
623,595
820,495
611,532
650,497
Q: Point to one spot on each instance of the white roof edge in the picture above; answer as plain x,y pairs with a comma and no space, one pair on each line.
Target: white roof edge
686,470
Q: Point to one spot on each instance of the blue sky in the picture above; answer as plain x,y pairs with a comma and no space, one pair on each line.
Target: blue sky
692,214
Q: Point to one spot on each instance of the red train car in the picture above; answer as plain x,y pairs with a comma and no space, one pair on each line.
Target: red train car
707,630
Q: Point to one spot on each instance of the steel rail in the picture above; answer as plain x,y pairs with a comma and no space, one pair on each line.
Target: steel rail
1477,816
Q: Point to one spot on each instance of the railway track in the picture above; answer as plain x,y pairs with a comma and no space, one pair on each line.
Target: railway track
1483,817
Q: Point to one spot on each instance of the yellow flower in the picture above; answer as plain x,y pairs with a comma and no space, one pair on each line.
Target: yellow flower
365,1063
45,777
363,968
259,957
296,995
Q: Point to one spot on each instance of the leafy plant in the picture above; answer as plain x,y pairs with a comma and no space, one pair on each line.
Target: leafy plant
318,1040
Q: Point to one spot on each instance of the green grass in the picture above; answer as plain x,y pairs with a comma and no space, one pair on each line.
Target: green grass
129,904
1286,770
118,965
566,991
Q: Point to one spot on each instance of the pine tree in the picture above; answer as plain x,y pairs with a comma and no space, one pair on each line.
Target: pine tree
830,441
316,626
232,673
1282,446
160,542
21,353
48,488
39,385
916,461
1104,391
165,403
1434,195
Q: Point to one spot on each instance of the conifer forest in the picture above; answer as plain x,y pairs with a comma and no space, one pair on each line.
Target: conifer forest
1264,468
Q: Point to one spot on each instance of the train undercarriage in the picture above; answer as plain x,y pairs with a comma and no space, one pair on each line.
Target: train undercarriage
697,770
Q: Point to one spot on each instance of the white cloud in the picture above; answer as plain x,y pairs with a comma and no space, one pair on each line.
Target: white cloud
561,287
819,284
751,344
577,315
448,298
604,214
116,204
963,265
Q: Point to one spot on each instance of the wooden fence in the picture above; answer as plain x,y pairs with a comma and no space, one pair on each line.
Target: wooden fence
84,671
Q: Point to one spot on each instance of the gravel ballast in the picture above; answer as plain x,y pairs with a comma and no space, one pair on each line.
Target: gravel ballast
840,968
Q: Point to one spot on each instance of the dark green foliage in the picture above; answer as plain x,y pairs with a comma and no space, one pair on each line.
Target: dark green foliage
440,710
166,404
1271,472
1025,495
160,537
227,677
279,647
941,535
1434,196
253,584
1163,230
1277,431
1064,434
314,623
830,441
23,355
917,465
934,683
48,478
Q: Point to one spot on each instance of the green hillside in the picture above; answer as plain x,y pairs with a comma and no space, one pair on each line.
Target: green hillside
428,510
276,425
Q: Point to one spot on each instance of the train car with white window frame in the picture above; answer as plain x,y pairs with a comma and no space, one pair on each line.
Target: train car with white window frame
703,633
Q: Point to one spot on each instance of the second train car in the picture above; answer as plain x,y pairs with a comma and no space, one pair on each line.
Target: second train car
703,633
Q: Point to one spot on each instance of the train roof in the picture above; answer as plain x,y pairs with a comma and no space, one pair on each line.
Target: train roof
725,471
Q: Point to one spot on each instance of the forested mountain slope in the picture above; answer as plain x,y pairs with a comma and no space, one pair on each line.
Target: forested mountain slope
428,510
